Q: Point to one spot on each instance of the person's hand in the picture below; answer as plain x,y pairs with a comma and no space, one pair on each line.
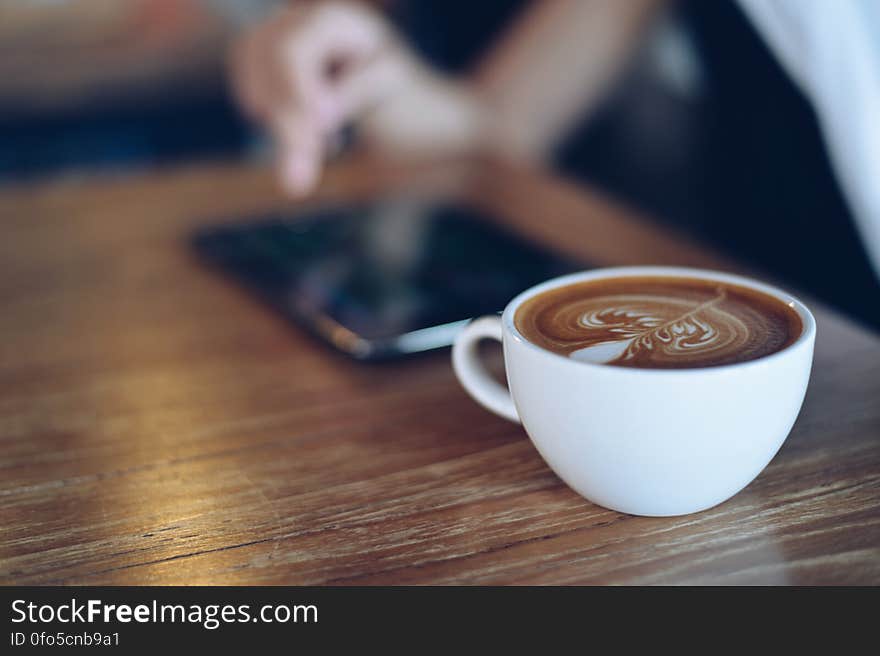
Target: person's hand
316,66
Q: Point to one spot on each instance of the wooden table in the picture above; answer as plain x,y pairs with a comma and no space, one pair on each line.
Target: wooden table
160,427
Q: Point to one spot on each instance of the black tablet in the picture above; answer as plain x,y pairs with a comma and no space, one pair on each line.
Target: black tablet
383,279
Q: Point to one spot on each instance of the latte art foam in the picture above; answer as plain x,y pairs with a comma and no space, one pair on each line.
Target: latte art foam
658,323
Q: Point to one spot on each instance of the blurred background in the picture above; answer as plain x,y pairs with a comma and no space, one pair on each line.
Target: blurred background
703,131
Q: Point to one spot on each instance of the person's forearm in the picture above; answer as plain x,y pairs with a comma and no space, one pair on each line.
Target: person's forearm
554,65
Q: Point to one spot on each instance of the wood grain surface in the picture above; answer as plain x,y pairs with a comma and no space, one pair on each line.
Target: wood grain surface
158,426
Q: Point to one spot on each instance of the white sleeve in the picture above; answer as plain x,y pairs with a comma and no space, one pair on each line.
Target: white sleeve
831,49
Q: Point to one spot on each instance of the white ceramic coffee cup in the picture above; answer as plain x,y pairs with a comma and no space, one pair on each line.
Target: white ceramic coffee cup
653,442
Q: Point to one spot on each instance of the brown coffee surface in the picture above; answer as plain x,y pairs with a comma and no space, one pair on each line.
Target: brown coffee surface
655,322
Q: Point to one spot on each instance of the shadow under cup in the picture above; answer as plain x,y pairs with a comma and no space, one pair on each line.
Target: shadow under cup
655,442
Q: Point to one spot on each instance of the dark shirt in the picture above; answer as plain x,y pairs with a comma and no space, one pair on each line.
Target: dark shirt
742,166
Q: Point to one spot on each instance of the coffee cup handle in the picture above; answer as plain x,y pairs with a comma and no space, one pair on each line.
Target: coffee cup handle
471,373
